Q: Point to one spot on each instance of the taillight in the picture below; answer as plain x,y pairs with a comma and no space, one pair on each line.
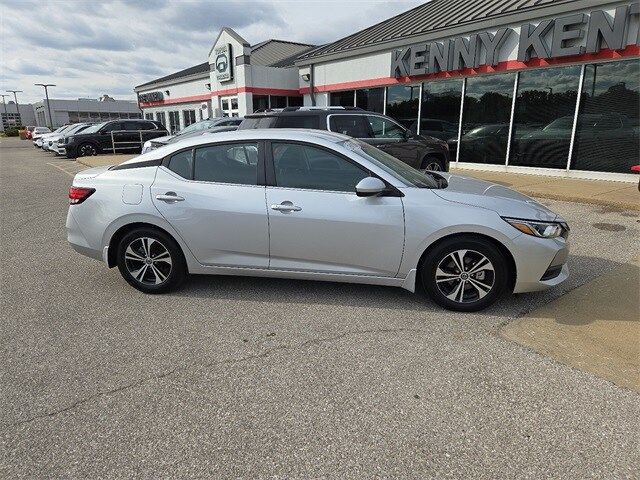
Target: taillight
79,194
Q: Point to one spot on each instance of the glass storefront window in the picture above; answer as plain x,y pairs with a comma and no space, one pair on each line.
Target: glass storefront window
485,119
260,102
341,99
278,101
371,99
402,103
295,101
440,116
189,117
160,117
543,119
607,133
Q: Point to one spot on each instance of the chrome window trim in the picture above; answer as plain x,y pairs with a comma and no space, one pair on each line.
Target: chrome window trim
383,116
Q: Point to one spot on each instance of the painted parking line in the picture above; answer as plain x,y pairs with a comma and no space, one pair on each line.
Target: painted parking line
70,168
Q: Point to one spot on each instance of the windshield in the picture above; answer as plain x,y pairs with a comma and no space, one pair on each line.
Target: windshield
195,126
94,128
75,128
409,176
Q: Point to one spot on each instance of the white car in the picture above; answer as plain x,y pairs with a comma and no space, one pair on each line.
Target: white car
47,140
57,141
36,135
315,205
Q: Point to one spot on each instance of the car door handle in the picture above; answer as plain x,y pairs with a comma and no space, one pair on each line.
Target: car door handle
286,207
169,197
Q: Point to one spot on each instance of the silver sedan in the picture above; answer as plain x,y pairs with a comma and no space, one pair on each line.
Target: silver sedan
307,204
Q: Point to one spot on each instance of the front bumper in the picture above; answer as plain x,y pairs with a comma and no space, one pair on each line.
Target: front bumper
541,263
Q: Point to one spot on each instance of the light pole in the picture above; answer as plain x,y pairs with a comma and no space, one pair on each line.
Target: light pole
46,94
15,97
6,116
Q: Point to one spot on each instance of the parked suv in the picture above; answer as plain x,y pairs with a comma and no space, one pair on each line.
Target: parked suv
124,135
418,151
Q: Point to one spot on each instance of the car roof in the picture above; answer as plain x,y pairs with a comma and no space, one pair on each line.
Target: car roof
277,134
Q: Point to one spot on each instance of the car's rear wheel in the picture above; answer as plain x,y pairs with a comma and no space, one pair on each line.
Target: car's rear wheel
432,163
465,273
87,150
151,261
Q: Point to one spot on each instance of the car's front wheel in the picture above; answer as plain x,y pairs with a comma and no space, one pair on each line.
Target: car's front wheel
87,150
432,163
465,273
151,261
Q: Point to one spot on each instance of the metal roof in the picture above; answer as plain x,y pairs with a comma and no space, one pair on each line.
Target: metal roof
272,52
438,15
187,72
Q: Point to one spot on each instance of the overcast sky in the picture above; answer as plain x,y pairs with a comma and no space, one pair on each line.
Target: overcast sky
89,48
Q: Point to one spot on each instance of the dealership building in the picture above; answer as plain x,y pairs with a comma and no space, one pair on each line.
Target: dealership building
536,86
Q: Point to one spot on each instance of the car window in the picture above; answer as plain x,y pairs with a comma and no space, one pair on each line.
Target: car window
298,121
259,122
112,127
307,167
228,163
385,128
355,126
182,163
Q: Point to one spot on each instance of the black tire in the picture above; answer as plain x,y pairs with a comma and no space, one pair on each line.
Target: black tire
87,150
174,271
441,264
434,163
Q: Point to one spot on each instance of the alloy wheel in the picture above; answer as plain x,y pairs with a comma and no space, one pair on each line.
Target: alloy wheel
148,261
87,150
433,166
465,276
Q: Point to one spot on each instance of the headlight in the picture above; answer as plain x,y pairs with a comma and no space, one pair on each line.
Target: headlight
540,229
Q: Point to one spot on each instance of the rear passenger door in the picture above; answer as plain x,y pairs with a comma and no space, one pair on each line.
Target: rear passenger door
212,197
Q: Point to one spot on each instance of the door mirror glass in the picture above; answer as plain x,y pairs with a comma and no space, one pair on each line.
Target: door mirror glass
370,186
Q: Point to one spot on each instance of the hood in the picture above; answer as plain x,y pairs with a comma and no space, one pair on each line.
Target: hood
502,200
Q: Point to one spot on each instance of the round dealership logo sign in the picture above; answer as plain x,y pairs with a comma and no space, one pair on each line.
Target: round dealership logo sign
222,62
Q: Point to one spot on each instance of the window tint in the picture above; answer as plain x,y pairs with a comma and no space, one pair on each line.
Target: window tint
182,163
303,166
229,163
342,99
385,128
355,126
112,127
260,122
298,121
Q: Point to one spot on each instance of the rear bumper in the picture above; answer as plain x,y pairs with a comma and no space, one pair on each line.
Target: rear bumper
78,241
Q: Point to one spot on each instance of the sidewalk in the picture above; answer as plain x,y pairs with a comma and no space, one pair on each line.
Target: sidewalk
600,192
595,328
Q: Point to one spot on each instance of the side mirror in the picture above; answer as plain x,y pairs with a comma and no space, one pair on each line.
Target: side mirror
370,187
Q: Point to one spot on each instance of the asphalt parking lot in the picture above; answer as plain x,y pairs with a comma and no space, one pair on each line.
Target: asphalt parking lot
255,378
